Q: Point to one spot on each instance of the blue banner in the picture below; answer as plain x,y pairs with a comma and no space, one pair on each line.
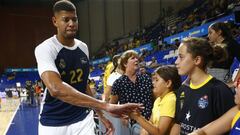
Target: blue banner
99,61
197,31
147,46
9,70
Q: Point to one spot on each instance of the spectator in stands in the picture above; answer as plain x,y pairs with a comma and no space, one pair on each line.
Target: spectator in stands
165,46
165,81
177,43
132,87
142,62
107,72
229,121
115,74
63,65
227,48
203,99
142,70
160,39
153,63
29,90
38,91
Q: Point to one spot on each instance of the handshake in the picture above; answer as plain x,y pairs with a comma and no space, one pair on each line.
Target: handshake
123,110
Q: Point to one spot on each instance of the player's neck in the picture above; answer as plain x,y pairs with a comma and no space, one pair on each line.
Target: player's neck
65,42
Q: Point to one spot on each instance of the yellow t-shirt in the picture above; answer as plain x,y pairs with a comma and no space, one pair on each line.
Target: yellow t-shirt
164,107
107,73
236,117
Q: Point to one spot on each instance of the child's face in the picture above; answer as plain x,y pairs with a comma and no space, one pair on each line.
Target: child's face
184,62
159,85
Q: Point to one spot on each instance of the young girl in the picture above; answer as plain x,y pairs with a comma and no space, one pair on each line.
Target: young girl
204,98
165,81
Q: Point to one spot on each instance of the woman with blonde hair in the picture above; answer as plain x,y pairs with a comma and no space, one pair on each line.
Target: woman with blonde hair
131,86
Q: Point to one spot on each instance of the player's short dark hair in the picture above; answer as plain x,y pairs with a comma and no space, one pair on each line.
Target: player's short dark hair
63,5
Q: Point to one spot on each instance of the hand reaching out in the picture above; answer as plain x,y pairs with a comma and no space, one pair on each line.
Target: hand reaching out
123,109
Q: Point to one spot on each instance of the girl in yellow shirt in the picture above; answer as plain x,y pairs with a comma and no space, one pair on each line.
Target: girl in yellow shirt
165,81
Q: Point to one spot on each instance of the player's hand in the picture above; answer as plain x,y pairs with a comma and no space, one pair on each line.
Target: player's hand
123,109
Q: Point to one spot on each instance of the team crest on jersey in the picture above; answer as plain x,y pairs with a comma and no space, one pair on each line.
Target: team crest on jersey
62,64
203,102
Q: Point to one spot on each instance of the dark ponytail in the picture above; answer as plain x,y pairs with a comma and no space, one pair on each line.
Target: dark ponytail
220,54
115,62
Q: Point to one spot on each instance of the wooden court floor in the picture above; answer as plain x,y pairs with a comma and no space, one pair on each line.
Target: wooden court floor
8,109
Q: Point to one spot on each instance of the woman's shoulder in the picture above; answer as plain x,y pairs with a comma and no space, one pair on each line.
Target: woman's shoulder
144,76
122,78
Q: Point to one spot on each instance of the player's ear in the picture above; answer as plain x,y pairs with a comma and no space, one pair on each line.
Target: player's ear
54,21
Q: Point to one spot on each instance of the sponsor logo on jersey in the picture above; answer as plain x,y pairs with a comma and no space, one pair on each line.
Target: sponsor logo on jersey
203,102
62,64
83,60
186,129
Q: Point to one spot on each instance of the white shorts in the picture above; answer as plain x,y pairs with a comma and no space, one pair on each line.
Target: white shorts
84,127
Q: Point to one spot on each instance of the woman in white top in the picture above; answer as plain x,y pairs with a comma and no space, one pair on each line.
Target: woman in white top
115,74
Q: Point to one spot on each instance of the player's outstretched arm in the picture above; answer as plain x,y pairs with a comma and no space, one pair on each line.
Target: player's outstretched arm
63,91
